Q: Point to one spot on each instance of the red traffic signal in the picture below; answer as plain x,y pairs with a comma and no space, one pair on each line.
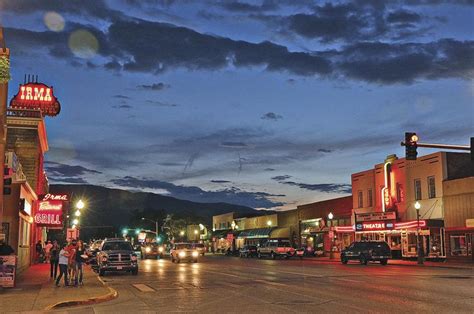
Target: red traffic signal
411,141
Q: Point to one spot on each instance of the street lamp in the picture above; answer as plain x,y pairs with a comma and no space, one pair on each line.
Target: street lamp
331,251
195,232
419,247
77,213
269,223
156,224
75,221
80,204
181,233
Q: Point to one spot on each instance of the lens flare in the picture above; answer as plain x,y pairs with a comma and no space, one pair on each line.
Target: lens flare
83,44
54,21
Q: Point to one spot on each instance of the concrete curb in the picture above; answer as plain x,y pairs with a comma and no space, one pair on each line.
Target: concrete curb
397,264
112,294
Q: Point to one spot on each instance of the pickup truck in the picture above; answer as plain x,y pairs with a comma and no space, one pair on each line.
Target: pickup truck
116,255
274,248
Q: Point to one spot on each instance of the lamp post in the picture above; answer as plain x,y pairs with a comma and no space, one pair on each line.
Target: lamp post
156,224
331,251
419,248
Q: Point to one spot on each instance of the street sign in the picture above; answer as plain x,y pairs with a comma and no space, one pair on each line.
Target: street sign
72,233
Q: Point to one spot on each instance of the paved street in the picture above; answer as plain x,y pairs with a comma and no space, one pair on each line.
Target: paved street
228,284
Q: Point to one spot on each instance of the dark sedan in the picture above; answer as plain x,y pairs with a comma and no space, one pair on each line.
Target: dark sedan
248,251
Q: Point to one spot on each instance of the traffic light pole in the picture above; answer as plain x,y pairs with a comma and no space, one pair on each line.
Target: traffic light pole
442,146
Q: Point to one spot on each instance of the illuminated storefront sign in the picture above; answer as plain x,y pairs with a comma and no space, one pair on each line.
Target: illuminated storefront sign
374,226
50,210
36,96
376,216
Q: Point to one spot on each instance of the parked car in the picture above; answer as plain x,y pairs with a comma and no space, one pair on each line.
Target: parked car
248,251
184,252
117,255
366,251
274,248
201,248
152,250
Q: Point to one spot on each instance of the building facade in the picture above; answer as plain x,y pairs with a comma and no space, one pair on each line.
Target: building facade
384,201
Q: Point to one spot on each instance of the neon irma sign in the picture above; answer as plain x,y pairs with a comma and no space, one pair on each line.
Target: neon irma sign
36,96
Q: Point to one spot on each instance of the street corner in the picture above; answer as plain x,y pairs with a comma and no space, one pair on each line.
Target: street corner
100,292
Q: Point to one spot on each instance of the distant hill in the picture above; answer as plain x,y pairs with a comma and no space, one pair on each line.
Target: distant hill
118,208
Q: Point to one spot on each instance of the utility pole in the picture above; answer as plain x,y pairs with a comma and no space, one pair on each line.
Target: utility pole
5,56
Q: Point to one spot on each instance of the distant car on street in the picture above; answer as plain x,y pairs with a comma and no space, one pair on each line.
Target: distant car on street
201,248
366,251
116,255
184,252
152,250
248,251
276,248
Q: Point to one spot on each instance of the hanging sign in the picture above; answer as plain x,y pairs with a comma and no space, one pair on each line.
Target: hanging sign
36,96
376,216
50,210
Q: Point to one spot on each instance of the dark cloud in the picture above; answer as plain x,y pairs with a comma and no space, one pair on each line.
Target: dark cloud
323,187
403,16
113,65
385,63
122,106
245,7
281,178
220,181
231,195
121,97
268,169
70,180
155,86
234,144
271,116
323,150
160,103
58,169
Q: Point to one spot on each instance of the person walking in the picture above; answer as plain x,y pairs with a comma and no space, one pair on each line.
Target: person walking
47,251
80,260
39,251
63,266
54,259
71,249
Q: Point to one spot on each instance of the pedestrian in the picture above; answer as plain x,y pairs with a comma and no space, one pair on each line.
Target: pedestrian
47,251
71,249
39,251
63,266
54,259
81,258
5,249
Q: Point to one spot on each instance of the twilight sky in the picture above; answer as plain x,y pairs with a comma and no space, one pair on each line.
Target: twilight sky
268,104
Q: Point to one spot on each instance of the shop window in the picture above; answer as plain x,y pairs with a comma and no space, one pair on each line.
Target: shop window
431,187
360,201
369,198
458,245
417,189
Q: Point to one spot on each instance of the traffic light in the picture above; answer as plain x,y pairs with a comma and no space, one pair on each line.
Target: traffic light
7,180
411,140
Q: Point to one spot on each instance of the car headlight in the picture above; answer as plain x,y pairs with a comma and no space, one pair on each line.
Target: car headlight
182,254
133,258
160,249
147,249
104,258
195,254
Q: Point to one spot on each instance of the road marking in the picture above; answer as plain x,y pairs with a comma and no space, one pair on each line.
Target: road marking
345,279
143,288
271,283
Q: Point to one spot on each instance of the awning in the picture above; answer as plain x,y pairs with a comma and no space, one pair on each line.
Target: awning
256,233
280,233
221,233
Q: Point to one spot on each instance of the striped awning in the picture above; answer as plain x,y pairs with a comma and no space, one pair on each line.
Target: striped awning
256,233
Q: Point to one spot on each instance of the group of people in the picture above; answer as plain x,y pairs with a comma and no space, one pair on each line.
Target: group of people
69,258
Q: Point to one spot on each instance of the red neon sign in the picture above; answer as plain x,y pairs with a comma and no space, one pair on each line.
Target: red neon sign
36,96
49,213
410,224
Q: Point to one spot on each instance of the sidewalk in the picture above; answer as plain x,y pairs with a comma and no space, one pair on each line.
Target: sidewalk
35,291
404,263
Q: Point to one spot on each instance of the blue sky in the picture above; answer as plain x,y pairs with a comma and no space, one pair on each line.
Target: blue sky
268,104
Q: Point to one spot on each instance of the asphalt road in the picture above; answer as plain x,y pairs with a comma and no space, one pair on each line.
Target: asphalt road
219,284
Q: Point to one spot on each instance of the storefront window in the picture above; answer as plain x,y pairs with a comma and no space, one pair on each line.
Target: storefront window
369,198
417,189
458,245
360,201
431,187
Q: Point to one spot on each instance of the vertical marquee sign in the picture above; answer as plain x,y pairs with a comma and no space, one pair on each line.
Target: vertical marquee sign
50,210
36,96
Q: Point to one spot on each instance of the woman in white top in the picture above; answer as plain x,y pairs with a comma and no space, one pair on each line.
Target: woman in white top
63,262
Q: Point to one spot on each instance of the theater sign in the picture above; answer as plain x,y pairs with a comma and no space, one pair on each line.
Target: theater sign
50,210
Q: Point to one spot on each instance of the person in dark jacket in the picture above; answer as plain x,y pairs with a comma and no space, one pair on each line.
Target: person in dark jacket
80,260
5,249
54,259
39,251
